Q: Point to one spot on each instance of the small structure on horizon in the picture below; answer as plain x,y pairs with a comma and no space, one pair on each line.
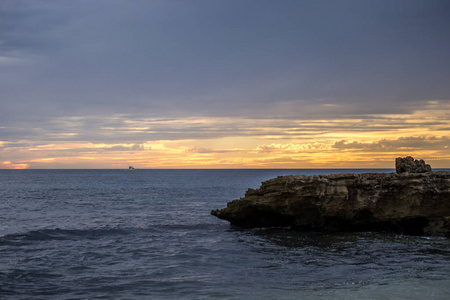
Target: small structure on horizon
411,165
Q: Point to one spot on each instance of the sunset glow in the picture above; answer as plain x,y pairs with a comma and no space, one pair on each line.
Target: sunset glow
10,165
299,89
373,141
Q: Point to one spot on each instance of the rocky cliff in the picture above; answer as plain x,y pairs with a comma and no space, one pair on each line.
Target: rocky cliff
411,203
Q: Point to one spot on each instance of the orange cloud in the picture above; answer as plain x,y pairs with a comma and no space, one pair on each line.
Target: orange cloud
9,165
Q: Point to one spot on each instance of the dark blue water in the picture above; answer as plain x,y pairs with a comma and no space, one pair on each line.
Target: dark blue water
148,234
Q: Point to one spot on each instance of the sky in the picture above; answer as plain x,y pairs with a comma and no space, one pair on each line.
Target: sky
223,84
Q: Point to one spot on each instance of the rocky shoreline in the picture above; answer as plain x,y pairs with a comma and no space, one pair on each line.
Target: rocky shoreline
414,200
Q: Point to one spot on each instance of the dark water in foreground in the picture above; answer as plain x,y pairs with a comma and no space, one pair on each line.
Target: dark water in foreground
148,234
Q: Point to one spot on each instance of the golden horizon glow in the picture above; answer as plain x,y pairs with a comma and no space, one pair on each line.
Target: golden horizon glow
9,165
371,141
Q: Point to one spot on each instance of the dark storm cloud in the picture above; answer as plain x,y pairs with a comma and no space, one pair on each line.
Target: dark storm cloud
220,58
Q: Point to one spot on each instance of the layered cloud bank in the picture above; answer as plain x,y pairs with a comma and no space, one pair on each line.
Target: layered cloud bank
223,84
117,141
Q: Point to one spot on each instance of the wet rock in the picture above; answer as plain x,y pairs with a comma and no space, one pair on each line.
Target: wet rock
412,203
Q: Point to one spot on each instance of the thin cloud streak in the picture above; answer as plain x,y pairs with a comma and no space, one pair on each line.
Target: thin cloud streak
132,129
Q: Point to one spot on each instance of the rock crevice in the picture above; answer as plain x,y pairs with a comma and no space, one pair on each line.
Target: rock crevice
409,202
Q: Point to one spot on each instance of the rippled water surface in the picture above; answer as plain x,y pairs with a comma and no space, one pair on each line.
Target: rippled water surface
148,234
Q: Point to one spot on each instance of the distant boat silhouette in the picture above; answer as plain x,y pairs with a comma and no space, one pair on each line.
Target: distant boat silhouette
131,168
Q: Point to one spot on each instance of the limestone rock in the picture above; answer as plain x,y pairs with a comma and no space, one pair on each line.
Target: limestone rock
411,165
411,203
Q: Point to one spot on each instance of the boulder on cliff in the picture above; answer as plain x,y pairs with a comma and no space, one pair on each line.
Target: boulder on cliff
411,165
411,203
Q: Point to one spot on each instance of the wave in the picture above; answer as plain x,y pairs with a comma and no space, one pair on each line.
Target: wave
58,234
43,235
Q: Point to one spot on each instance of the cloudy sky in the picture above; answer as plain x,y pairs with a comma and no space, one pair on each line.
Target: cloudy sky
224,84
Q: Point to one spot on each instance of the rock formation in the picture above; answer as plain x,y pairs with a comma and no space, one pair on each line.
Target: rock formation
411,203
409,165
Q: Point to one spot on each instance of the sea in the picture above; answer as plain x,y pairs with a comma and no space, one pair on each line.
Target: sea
148,234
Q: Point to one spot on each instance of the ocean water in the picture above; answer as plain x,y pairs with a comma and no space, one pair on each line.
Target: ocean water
148,234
